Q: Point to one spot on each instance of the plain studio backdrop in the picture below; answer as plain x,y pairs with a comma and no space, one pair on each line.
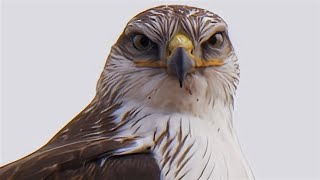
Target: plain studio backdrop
53,52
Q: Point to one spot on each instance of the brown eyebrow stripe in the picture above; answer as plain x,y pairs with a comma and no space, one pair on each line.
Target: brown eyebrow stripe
212,62
150,63
199,63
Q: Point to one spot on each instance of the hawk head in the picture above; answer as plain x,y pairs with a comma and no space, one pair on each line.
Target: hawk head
173,58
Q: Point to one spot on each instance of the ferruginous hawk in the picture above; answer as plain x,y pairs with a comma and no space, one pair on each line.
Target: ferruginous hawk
162,110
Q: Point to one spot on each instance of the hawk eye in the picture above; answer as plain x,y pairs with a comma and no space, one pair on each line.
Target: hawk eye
141,42
216,40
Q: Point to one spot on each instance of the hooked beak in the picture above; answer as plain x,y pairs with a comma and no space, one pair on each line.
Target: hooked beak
180,62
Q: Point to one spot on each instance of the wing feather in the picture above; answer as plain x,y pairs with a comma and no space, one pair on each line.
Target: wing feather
71,154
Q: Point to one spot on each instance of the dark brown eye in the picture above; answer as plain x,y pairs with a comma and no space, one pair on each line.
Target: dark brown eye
216,40
141,42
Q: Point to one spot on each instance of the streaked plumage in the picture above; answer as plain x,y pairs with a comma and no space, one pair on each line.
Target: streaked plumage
163,108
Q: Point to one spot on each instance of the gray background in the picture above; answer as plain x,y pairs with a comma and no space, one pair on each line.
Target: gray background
54,50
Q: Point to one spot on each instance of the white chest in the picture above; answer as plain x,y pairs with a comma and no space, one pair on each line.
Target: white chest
188,147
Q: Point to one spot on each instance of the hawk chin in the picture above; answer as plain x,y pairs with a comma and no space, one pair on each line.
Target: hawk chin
163,108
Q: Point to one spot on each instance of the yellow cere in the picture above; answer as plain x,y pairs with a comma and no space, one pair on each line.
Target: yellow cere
180,40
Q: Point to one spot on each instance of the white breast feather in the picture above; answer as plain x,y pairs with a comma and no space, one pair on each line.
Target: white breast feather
209,149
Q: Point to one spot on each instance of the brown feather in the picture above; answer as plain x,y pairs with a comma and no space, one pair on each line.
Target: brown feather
71,154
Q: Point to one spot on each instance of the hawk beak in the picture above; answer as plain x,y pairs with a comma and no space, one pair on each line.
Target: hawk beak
180,61
180,64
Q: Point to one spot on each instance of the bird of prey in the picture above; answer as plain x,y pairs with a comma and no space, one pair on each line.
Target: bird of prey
163,108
